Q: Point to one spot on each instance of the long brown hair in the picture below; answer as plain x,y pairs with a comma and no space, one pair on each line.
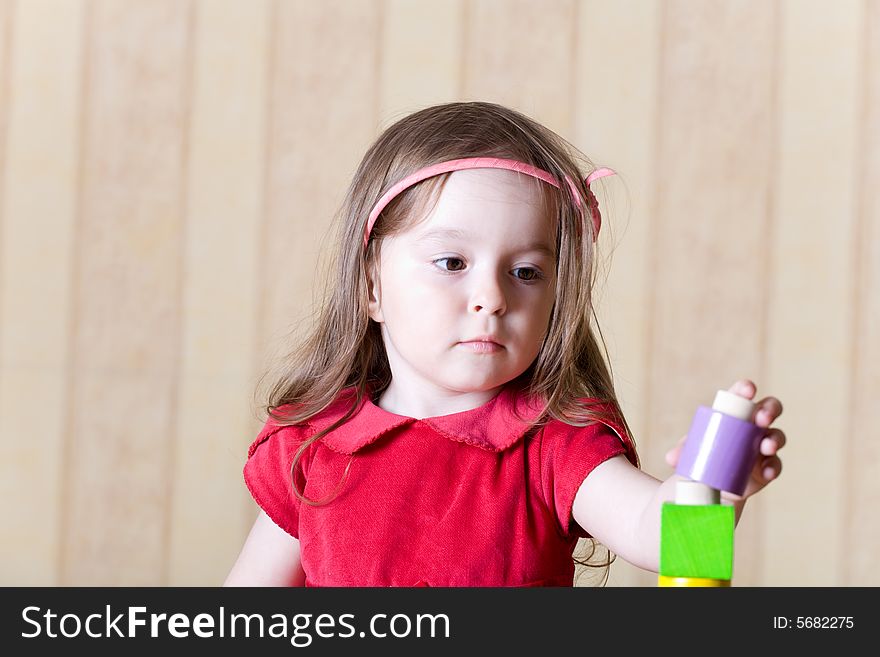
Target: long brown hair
344,346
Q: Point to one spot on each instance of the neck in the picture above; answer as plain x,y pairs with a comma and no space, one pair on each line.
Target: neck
420,400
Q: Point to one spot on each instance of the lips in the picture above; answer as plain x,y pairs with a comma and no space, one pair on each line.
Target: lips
489,339
482,347
483,344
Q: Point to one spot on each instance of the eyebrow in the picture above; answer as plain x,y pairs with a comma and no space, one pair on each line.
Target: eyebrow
439,234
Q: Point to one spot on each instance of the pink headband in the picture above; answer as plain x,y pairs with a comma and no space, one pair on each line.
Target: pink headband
488,163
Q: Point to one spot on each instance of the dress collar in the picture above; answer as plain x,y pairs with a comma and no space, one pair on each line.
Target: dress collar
494,426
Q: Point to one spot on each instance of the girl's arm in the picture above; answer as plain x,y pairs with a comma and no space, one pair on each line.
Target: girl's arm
619,505
270,557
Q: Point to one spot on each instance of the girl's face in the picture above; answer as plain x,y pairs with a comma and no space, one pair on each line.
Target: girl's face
481,266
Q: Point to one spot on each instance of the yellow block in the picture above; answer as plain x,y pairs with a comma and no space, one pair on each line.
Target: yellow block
691,581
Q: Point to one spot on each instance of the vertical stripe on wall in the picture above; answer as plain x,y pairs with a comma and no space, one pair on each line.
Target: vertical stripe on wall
42,57
125,335
323,116
811,309
708,235
223,221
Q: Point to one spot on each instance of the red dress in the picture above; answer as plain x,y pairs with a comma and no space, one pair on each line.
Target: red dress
468,499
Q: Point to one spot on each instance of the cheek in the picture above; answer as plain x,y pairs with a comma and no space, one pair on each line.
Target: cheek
542,313
412,294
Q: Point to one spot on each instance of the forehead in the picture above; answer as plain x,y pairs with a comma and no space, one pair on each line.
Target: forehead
480,202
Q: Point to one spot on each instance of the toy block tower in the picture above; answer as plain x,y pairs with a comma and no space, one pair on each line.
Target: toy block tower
696,530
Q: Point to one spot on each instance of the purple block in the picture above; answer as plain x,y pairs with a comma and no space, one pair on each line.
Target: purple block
720,450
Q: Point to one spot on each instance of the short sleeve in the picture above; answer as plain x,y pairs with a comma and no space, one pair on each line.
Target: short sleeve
268,476
568,455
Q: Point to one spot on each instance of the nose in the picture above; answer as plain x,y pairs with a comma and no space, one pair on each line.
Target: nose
487,295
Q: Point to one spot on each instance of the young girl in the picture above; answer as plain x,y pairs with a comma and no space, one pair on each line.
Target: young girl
450,420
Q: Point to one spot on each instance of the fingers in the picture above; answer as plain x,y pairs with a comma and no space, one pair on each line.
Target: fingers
743,388
770,467
766,410
772,442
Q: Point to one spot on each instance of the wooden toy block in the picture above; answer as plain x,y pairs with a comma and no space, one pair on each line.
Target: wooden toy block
696,541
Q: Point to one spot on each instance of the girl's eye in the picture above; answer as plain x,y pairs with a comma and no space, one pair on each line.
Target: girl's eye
453,264
530,274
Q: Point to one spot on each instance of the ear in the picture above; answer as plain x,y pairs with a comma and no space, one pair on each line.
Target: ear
374,291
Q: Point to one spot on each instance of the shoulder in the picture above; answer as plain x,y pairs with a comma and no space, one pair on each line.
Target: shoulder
605,433
274,432
279,431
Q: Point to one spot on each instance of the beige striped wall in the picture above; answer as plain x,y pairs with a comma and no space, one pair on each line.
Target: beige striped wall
168,169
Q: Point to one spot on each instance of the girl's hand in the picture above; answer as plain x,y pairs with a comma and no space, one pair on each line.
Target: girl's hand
768,465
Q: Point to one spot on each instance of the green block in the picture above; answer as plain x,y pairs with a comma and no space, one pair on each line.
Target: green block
696,540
